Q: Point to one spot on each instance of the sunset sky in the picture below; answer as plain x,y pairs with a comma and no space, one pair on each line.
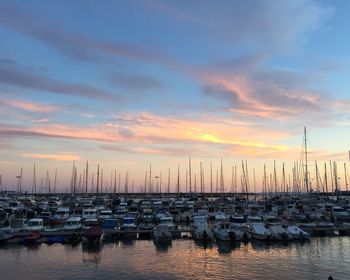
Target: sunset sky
126,84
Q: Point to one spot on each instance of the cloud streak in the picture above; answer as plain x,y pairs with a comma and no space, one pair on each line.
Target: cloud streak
25,79
56,157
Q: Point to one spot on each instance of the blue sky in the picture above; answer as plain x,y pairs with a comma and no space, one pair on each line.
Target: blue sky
128,83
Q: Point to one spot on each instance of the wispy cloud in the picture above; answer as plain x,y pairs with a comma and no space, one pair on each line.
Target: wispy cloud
11,75
74,45
44,120
31,106
57,157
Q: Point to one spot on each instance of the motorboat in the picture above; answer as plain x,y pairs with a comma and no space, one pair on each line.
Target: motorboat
297,233
258,231
162,234
72,224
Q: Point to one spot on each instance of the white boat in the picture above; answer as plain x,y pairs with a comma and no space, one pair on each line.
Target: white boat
202,232
35,224
297,233
258,231
105,214
224,232
162,233
169,221
90,213
72,224
279,233
6,234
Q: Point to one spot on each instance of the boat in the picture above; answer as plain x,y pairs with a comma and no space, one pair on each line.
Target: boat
72,224
128,228
169,221
258,231
202,232
36,224
279,233
110,226
224,232
162,234
93,234
297,233
6,234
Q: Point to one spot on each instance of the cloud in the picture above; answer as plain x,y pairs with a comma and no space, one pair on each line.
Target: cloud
147,128
15,76
74,45
44,120
57,157
31,106
273,23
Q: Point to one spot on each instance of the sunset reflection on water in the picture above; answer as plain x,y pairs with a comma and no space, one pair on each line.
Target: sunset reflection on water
182,259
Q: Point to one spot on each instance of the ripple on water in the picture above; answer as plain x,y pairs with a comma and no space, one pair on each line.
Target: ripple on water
183,259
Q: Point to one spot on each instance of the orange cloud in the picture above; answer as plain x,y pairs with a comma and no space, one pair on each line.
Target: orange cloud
57,157
31,106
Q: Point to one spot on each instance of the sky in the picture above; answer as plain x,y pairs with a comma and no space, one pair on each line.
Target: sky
129,84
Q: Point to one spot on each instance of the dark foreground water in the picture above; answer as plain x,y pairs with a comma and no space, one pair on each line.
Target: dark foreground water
184,259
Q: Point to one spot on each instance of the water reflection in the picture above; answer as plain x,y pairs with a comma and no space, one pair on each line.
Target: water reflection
204,244
180,259
127,241
225,247
162,246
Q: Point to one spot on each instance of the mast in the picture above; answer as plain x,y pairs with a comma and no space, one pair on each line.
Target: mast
222,187
55,181
211,178
178,178
34,180
169,180
98,178
189,169
346,179
306,164
145,186
115,181
150,178
86,176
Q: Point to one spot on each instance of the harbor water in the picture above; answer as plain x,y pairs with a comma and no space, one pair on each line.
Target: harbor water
182,259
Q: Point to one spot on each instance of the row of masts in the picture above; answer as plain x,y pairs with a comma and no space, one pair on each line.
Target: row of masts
272,183
297,182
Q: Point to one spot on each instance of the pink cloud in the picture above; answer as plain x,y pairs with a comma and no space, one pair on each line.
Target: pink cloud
31,106
56,157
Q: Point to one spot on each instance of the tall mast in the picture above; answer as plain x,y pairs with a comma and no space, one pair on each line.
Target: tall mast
115,182
34,180
86,176
201,176
150,178
145,187
306,164
55,181
222,187
178,178
169,180
98,178
189,170
346,179
211,178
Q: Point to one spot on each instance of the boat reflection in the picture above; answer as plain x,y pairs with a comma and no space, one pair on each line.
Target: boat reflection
225,247
204,244
162,246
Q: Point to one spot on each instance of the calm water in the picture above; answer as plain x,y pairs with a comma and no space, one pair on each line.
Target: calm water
184,259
